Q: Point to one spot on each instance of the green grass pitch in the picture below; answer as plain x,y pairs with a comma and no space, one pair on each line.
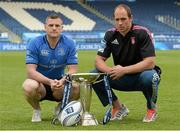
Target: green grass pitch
15,113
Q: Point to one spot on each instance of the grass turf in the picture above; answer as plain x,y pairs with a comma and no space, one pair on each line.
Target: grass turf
15,113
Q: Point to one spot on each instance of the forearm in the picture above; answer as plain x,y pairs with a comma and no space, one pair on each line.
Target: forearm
101,66
141,66
71,69
38,77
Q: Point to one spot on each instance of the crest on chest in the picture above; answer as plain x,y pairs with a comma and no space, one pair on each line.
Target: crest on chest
61,52
133,40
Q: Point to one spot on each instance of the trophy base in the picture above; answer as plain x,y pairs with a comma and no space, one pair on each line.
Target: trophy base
88,120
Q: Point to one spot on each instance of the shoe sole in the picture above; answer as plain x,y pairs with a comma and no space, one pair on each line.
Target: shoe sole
35,120
147,121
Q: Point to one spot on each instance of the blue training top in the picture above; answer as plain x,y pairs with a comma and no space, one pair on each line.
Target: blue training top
51,62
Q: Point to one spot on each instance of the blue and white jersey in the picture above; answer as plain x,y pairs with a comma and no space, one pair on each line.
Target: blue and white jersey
51,62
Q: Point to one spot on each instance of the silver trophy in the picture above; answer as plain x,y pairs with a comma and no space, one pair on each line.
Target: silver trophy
85,80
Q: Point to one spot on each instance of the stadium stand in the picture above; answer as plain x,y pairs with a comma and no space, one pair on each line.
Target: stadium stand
145,12
91,18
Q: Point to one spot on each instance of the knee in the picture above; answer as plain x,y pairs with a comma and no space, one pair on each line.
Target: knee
149,77
147,81
146,78
30,86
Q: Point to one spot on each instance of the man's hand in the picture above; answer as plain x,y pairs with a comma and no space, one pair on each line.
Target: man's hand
56,84
116,72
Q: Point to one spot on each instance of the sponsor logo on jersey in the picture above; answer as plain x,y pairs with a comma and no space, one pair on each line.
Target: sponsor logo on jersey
53,61
115,42
44,52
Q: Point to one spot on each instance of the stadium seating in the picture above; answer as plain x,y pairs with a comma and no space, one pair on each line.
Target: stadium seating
157,15
144,12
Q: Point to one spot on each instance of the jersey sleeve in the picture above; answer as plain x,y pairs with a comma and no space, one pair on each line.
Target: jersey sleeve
31,53
105,51
72,55
147,44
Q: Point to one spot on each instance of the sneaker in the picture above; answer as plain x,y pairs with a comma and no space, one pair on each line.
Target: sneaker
119,114
151,115
36,117
57,109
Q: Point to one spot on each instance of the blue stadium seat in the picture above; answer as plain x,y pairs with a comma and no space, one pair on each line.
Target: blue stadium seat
144,13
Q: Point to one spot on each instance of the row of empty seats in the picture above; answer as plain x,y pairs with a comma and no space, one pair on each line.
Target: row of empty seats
144,12
29,15
17,10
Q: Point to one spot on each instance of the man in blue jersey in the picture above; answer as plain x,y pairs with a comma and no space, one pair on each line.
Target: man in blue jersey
47,56
132,49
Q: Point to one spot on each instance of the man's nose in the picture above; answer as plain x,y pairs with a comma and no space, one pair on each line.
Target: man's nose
54,27
119,22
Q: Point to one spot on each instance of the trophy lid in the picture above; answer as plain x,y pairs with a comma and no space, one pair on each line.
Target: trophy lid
88,77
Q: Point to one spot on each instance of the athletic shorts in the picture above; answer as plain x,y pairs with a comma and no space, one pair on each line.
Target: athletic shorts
49,94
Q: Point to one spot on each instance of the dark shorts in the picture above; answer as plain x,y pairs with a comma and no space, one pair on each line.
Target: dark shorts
49,94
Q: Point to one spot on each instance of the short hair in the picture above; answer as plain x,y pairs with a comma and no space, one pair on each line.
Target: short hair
126,7
53,16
